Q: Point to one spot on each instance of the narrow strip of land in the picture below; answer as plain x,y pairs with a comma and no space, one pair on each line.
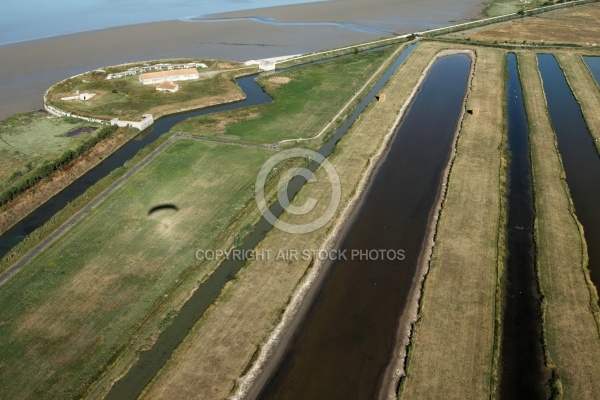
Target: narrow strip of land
453,342
584,88
571,332
229,338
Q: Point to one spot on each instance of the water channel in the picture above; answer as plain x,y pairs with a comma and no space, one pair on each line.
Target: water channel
593,64
523,373
343,346
254,96
150,362
579,156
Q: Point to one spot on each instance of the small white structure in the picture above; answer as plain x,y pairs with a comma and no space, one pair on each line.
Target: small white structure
267,65
154,78
145,122
168,86
79,96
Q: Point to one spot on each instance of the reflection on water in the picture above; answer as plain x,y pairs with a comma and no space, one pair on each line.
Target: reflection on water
593,64
343,346
579,156
523,374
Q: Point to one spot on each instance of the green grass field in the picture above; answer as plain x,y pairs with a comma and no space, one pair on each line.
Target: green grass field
67,313
128,99
305,101
27,140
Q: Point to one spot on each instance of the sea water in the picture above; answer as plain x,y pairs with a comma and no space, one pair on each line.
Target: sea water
26,20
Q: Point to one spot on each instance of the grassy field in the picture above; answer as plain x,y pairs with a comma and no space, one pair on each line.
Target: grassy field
584,88
571,331
453,342
128,99
69,312
503,7
305,101
28,140
577,25
224,343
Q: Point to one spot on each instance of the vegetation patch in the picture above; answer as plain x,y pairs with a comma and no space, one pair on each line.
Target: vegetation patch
466,255
305,100
128,99
569,299
35,144
70,310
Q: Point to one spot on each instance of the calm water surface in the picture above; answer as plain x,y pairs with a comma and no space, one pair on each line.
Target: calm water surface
523,372
593,64
579,156
342,348
24,20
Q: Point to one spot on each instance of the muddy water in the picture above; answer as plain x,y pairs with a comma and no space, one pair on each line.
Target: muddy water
579,156
343,346
523,373
593,63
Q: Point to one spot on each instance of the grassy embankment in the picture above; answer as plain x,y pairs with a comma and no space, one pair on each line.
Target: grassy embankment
584,88
70,310
127,99
114,268
452,349
305,100
225,343
28,140
571,331
576,25
503,7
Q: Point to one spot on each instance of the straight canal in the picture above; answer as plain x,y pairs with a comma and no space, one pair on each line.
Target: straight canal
579,156
523,373
343,346
149,363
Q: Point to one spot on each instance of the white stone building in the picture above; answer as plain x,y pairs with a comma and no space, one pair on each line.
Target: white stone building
155,78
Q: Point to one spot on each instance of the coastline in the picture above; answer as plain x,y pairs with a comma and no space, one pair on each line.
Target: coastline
33,66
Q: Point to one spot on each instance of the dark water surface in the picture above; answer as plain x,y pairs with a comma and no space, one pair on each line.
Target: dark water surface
579,156
523,373
593,64
150,362
343,346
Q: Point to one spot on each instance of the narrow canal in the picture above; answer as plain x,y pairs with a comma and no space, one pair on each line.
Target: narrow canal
254,96
343,346
579,156
149,363
523,372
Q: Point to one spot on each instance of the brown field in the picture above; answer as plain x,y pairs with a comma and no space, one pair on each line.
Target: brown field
571,332
578,25
222,345
453,342
584,88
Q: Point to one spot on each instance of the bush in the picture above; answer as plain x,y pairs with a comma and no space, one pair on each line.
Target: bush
49,167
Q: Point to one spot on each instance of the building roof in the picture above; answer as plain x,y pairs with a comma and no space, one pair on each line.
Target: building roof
168,85
166,74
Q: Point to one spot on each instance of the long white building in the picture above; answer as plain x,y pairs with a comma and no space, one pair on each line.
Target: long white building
155,78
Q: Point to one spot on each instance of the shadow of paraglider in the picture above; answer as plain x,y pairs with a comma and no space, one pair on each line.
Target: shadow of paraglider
162,207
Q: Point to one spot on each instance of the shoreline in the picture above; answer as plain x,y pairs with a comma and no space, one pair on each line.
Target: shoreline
31,67
271,351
